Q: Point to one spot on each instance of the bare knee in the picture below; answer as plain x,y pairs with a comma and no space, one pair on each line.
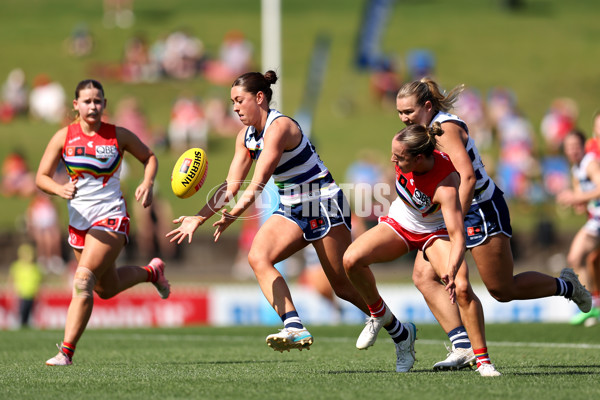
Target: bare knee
254,258
421,280
84,281
351,261
500,295
464,292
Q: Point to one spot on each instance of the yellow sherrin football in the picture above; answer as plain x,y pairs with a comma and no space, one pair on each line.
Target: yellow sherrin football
189,173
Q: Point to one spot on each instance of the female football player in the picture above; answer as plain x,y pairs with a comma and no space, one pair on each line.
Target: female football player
92,152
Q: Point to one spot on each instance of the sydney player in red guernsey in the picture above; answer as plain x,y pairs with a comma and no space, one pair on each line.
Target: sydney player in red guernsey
92,152
426,216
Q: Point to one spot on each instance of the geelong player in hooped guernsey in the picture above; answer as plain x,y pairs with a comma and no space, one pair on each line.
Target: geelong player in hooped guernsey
312,209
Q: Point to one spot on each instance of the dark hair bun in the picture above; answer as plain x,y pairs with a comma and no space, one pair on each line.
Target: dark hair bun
270,77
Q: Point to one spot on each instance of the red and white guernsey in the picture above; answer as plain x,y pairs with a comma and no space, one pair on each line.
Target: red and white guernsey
96,163
414,209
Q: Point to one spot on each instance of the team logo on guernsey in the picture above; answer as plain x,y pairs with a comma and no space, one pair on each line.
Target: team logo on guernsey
185,165
106,151
421,199
75,151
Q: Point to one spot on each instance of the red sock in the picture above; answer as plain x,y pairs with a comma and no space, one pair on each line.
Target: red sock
152,274
68,349
482,356
378,308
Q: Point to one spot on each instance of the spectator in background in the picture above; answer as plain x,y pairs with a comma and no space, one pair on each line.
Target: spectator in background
471,107
137,65
235,57
181,55
81,42
47,100
221,119
559,120
129,115
420,63
14,101
517,164
188,126
118,13
44,228
17,179
26,277
384,83
583,196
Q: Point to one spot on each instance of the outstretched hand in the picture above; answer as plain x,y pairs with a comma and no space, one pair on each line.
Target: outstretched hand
188,226
222,224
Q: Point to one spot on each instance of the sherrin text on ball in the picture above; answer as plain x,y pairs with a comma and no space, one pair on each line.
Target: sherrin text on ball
189,173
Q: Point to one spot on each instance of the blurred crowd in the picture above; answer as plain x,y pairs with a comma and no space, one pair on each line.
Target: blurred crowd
526,161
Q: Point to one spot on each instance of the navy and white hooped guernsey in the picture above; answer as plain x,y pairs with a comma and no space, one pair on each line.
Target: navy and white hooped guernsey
484,187
300,174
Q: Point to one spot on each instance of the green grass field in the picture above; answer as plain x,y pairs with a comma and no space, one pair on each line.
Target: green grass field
538,361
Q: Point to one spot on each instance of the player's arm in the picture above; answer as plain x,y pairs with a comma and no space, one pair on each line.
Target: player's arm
577,196
446,195
238,170
279,138
452,142
274,145
44,178
131,143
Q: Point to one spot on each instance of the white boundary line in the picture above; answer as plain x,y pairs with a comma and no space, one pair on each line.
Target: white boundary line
228,338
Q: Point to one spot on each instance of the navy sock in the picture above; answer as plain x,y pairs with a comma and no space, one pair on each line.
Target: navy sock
459,338
396,330
292,320
563,288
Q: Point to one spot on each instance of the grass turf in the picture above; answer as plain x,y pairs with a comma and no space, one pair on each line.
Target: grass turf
538,361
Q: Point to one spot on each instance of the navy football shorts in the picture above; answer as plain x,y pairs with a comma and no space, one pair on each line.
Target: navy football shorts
487,219
316,217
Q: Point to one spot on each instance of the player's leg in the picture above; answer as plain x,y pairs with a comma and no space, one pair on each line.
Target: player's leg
330,250
98,255
495,263
469,304
582,246
460,353
277,239
379,244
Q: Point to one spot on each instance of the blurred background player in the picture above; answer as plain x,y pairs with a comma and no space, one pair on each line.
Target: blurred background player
584,196
593,260
93,152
